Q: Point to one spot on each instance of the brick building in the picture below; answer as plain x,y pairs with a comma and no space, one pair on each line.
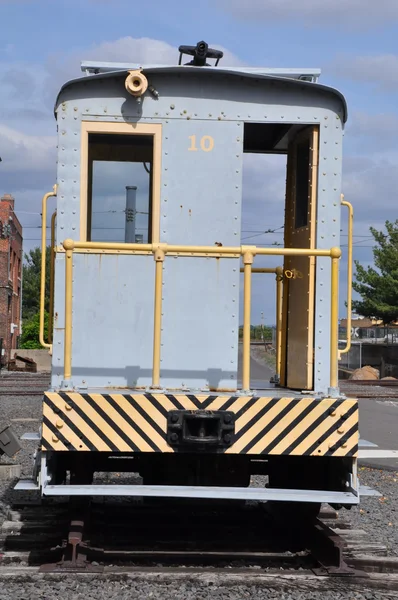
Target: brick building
10,278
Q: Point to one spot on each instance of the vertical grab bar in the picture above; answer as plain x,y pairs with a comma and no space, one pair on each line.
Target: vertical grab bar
52,274
279,297
43,266
247,285
159,255
349,273
335,254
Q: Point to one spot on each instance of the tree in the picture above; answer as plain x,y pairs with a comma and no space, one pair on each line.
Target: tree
379,288
30,332
31,283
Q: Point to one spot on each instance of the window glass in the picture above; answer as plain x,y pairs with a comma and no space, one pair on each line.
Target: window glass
120,202
119,188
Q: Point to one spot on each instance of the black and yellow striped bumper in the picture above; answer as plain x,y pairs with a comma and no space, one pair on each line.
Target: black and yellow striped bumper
138,423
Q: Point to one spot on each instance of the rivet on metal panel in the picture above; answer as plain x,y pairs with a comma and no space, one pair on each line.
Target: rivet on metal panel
59,424
68,407
172,106
55,439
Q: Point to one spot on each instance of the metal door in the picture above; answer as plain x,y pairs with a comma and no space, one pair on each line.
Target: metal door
300,229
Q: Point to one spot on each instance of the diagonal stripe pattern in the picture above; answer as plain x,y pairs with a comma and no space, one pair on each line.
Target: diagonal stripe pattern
138,423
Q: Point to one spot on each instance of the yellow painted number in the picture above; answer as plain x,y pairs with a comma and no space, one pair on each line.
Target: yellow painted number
206,143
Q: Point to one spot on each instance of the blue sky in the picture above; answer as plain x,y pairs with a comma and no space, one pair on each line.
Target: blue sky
352,41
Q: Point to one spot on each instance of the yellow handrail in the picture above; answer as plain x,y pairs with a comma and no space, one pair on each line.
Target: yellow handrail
157,322
335,254
52,265
238,250
248,258
68,314
279,294
279,298
349,273
43,266
160,251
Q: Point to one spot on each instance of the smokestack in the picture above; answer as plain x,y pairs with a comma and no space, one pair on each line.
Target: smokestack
131,211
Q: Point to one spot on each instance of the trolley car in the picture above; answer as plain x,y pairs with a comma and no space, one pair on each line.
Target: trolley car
144,324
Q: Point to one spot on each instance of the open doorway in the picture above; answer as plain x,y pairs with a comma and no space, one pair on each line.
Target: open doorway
279,209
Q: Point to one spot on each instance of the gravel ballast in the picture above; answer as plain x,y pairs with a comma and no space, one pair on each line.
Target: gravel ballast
377,516
128,588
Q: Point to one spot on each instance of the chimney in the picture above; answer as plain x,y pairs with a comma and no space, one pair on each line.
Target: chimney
9,199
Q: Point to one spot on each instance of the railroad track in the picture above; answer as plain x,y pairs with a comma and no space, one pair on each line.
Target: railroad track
34,384
179,540
23,384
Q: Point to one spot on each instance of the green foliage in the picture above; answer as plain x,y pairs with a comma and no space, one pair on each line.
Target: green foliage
31,283
258,332
379,288
30,332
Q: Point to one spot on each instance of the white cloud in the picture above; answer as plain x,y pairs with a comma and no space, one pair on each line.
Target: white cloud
380,130
21,152
341,13
380,70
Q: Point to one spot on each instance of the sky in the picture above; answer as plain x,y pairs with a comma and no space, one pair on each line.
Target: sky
353,42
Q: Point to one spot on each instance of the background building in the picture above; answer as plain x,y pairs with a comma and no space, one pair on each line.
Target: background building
10,278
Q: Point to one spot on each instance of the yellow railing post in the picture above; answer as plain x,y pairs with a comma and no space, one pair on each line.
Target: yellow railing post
279,296
159,255
279,291
43,266
335,254
247,292
52,265
349,273
69,246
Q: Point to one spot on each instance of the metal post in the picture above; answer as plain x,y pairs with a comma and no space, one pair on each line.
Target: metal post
247,283
157,322
335,254
131,212
68,245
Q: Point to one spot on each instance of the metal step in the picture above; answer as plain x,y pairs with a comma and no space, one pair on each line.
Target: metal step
33,437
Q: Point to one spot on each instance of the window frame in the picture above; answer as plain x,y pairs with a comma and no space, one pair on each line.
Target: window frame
106,127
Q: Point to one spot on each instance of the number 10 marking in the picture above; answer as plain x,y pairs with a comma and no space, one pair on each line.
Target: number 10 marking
206,143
